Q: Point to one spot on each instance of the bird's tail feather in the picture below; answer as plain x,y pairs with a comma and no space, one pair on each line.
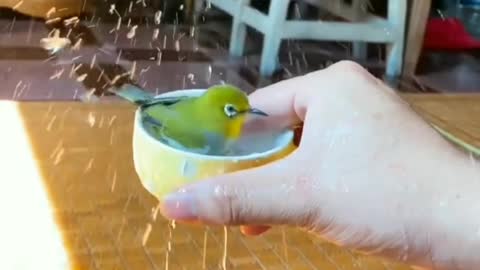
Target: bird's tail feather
133,94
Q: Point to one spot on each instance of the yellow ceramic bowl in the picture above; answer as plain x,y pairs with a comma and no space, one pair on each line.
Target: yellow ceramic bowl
163,169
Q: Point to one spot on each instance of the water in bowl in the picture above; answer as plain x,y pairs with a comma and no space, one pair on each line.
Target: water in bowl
252,141
256,142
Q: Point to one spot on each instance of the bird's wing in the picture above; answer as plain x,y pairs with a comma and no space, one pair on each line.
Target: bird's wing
166,101
137,95
181,135
160,115
147,119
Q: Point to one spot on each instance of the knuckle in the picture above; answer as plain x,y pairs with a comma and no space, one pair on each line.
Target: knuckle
353,71
345,70
348,65
232,206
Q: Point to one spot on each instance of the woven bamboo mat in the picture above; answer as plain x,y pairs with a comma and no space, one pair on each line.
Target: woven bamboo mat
105,218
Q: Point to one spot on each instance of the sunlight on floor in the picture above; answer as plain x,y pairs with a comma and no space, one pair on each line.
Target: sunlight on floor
30,238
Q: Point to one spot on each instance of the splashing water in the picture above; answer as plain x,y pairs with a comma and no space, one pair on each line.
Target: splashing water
250,143
285,245
146,235
205,241
171,227
225,247
158,17
156,32
256,142
133,31
55,43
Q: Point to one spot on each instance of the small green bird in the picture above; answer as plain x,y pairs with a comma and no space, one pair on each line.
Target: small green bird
207,124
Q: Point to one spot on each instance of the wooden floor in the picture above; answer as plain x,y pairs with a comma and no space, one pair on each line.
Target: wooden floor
73,166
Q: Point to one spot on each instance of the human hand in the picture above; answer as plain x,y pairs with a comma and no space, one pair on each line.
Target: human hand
368,173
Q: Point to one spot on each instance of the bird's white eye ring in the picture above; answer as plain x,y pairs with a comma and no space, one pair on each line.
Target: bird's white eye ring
230,110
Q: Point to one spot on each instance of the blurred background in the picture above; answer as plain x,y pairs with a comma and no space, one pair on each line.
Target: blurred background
185,43
75,156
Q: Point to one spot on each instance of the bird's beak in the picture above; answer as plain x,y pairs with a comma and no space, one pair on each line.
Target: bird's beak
257,112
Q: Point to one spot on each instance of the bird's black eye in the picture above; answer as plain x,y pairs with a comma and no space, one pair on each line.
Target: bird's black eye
230,110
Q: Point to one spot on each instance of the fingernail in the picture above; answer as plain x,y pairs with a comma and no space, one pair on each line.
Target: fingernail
179,206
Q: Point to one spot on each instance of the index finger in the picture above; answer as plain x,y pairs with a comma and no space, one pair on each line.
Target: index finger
285,103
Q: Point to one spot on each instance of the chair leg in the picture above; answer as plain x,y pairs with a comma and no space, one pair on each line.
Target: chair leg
272,39
416,32
397,13
239,30
359,48
197,9
269,61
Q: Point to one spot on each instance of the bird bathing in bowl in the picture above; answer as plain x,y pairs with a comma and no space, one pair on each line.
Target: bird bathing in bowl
208,123
183,136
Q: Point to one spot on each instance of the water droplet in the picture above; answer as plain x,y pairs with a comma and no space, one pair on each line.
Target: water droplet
158,17
91,119
156,32
50,12
112,9
177,45
146,235
149,185
219,191
189,170
82,77
133,31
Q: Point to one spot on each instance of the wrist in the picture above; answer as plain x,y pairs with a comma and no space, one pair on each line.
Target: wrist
457,221
452,230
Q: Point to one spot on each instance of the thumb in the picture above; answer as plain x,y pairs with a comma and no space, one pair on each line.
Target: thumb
264,195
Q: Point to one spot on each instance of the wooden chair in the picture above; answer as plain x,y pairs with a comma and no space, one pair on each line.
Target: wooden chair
275,28
419,13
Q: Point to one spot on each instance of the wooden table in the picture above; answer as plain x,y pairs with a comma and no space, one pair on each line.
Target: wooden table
70,197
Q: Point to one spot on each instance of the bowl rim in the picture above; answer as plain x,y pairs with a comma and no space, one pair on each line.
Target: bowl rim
285,138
